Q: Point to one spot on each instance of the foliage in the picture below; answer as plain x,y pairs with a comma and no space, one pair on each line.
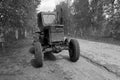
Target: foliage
63,12
16,14
81,16
93,17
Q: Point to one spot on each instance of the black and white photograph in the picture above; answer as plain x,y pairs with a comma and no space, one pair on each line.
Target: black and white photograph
59,39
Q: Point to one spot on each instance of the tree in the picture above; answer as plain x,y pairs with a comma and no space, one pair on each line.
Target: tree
63,12
91,17
81,16
17,14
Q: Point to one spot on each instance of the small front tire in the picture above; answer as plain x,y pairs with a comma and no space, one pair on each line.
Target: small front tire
74,50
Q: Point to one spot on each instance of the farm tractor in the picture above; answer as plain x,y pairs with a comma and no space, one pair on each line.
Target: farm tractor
51,38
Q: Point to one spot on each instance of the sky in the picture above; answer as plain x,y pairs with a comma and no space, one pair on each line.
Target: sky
48,5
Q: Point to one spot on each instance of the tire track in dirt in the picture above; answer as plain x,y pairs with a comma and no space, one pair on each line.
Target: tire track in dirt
60,69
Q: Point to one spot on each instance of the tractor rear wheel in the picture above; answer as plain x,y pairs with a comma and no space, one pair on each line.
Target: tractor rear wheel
32,50
38,54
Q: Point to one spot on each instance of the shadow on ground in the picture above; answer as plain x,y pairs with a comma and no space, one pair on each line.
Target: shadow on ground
47,56
50,57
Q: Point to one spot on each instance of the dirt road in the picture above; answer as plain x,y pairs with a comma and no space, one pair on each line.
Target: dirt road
103,54
17,66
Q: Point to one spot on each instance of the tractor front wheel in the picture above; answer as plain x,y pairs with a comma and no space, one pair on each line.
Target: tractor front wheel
74,50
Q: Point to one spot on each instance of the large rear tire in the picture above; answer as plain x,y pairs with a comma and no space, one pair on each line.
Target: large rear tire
38,54
74,50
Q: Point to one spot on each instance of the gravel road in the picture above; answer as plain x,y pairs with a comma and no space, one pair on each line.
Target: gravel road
17,66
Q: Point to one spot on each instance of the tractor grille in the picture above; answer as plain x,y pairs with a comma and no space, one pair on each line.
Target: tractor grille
57,33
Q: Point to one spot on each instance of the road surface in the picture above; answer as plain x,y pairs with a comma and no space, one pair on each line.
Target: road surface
17,66
103,54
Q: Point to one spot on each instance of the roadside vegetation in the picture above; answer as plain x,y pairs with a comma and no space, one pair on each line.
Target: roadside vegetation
91,18
88,19
16,18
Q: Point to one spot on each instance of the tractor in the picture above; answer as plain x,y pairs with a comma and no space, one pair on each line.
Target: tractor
51,38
